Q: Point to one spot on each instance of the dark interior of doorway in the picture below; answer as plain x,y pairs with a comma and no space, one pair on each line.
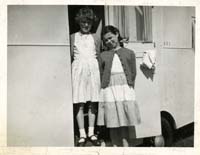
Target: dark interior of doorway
73,9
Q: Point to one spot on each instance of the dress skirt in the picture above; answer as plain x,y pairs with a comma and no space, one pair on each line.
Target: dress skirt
85,80
117,106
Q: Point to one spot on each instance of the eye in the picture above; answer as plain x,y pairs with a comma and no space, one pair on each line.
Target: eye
108,38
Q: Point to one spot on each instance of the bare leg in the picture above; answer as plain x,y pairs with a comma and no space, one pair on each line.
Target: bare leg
124,136
91,116
80,120
80,116
91,119
114,136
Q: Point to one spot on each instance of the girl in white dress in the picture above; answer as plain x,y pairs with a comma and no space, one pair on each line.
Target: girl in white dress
85,48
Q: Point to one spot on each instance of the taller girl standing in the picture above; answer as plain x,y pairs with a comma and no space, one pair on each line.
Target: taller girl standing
117,108
85,48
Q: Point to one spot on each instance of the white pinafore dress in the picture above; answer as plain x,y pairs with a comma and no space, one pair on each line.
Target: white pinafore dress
85,70
117,105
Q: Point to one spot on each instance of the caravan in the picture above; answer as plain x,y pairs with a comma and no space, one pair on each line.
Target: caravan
40,109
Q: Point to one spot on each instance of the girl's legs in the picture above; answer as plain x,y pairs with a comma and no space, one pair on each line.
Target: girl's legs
124,136
91,119
114,136
119,136
80,121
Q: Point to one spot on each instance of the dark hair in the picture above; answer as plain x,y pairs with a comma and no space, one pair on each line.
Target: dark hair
114,30
85,13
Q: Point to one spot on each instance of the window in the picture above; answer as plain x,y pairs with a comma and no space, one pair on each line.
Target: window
134,22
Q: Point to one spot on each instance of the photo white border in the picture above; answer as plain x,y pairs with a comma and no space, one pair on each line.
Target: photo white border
4,150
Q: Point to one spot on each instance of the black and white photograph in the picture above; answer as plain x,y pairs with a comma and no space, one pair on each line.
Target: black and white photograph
100,76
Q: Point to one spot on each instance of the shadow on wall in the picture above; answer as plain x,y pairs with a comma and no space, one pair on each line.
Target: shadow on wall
148,73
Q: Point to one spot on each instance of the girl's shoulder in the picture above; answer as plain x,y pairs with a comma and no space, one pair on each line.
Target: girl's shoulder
72,36
127,51
105,54
94,34
96,37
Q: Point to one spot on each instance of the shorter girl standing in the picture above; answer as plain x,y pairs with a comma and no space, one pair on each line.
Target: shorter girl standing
118,108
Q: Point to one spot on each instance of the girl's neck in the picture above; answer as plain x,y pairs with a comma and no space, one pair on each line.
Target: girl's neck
83,33
116,48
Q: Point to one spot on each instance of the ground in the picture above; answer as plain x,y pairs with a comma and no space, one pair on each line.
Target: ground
183,137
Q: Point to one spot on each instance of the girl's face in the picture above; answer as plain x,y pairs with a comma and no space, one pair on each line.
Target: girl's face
85,26
111,40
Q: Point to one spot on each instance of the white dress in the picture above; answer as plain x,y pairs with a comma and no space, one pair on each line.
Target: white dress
85,70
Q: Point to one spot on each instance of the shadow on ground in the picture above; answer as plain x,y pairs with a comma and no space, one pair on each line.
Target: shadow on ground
184,137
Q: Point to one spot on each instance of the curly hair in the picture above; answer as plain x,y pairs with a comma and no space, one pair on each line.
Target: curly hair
85,13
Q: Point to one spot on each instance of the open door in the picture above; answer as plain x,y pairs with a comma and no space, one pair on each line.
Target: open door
73,28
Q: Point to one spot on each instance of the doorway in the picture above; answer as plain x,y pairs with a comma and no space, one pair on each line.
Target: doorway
73,28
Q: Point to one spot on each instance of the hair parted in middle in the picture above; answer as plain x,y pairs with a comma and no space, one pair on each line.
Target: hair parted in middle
86,13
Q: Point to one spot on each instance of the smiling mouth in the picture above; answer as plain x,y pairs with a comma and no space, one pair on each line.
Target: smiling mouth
110,44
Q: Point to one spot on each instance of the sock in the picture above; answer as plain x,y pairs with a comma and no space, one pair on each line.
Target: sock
82,133
91,132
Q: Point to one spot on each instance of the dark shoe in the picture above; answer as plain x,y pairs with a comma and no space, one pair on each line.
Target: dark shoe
81,144
94,142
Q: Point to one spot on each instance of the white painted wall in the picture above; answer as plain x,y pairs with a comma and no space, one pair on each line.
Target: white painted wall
40,111
172,87
172,32
38,24
147,88
177,84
